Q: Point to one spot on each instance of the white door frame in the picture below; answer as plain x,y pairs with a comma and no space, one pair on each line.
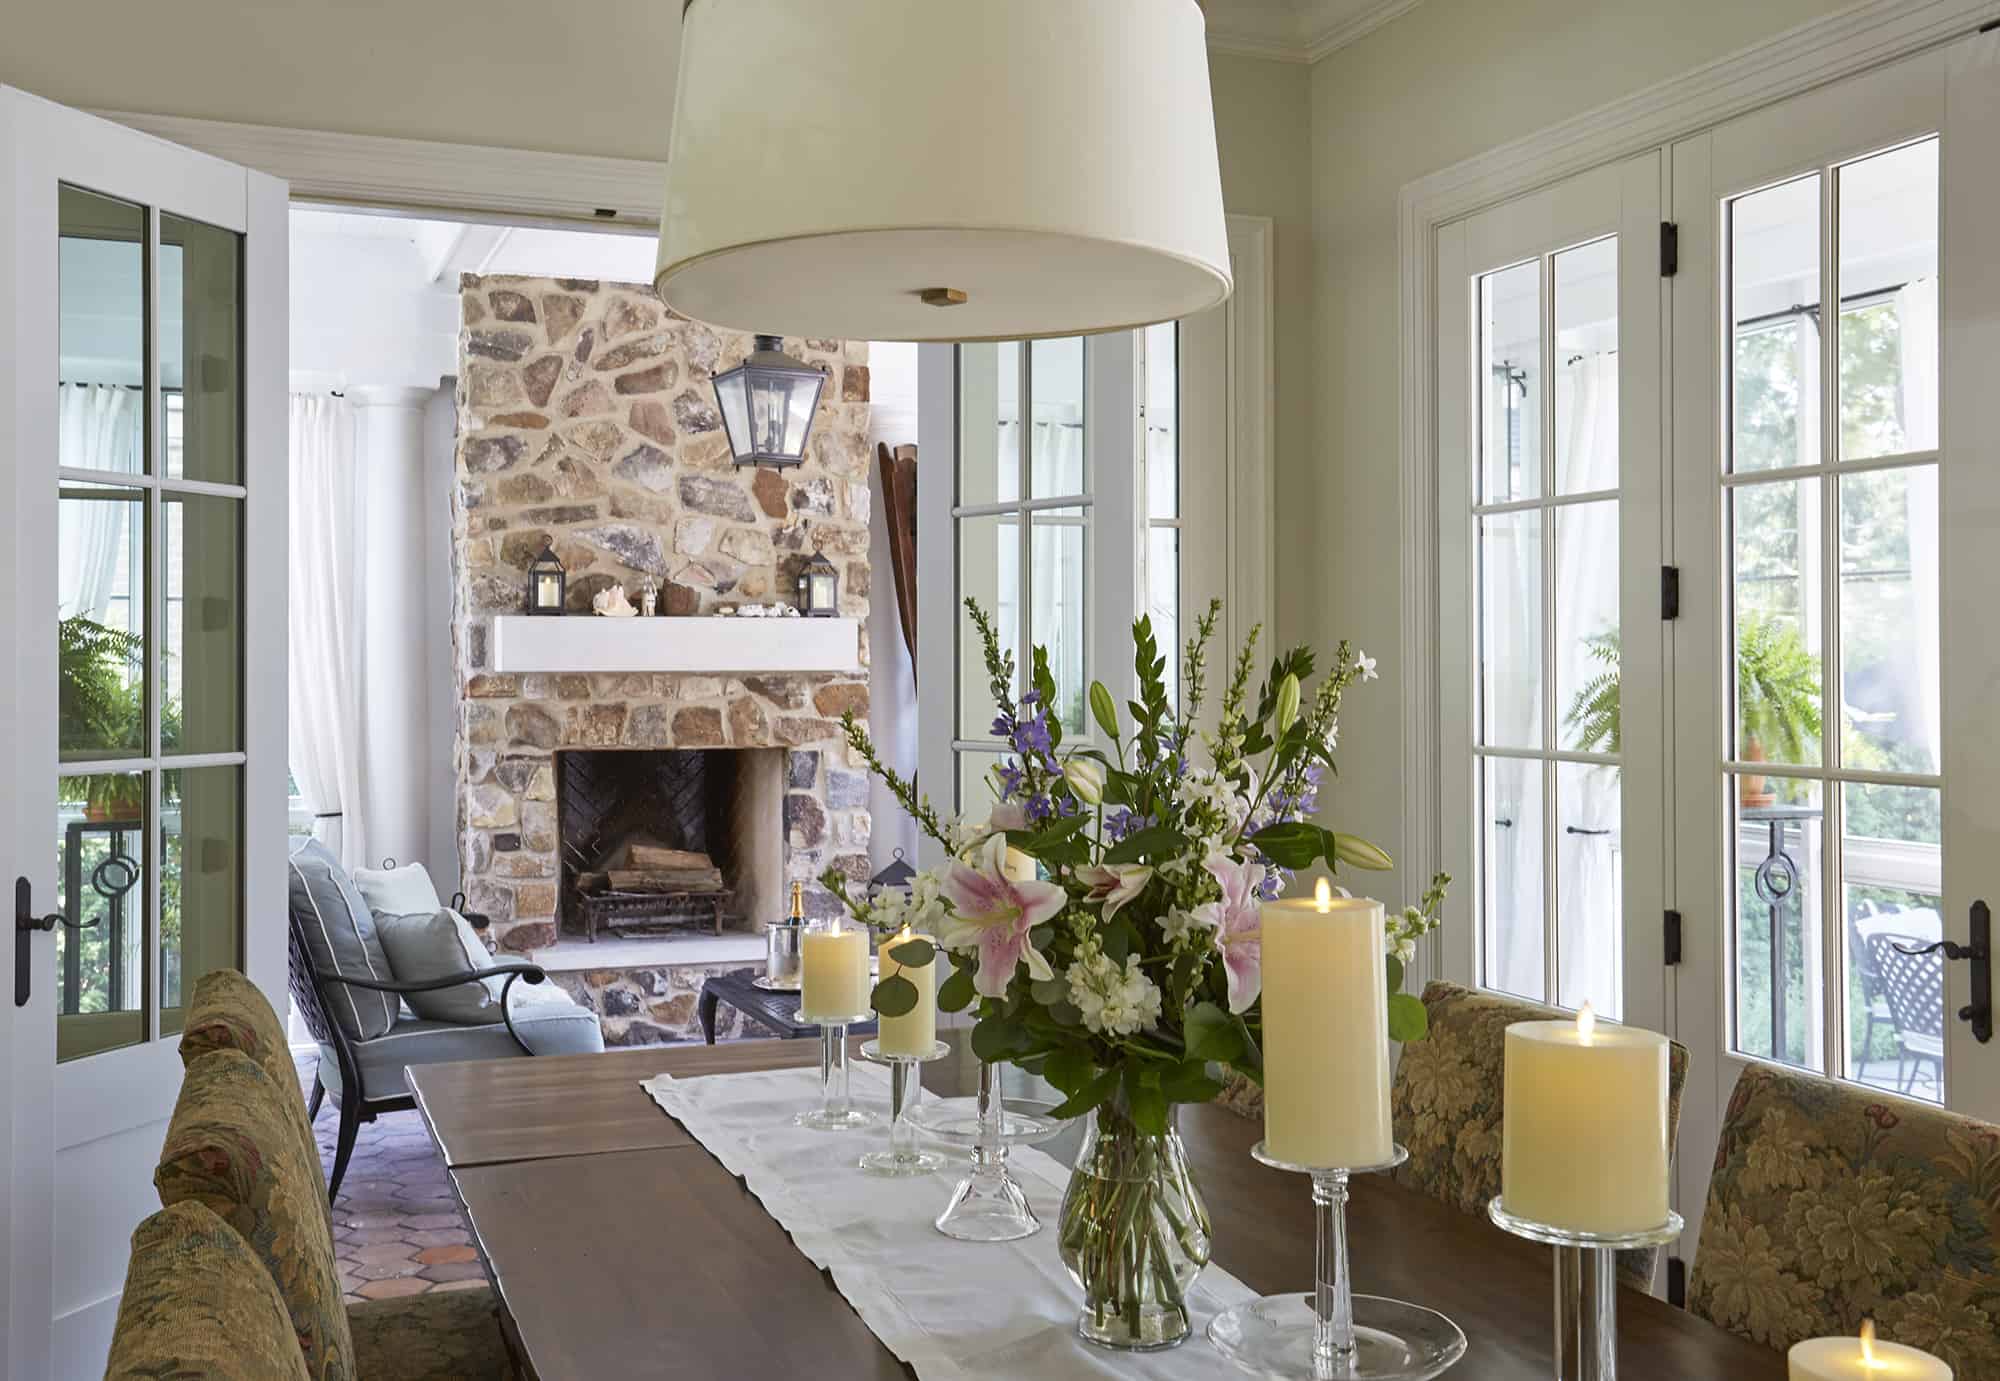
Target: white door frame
1813,54
85,1135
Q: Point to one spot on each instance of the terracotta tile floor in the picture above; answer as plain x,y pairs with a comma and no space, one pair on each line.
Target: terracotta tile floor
397,1226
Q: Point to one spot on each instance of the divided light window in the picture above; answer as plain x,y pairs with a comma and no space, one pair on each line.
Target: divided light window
1023,517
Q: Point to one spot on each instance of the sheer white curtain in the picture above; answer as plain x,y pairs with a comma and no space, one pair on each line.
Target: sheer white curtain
1588,824
1510,623
325,636
1917,337
94,427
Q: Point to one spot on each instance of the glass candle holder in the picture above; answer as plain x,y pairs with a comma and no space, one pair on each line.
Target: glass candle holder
834,991
903,1157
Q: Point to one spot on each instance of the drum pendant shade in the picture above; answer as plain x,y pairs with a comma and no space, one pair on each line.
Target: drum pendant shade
942,169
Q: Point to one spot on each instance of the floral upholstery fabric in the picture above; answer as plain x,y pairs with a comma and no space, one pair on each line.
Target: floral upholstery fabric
1831,1203
229,1012
199,1306
1446,1102
231,1147
447,1335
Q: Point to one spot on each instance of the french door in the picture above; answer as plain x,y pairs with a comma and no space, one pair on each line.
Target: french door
1550,508
1836,481
142,379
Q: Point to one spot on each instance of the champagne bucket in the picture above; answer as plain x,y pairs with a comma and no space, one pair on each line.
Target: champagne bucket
784,953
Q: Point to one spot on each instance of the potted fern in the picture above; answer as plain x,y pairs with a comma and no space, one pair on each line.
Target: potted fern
1777,699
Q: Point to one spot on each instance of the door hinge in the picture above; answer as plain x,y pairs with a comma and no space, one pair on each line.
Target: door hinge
1670,249
1670,592
1677,1282
1672,932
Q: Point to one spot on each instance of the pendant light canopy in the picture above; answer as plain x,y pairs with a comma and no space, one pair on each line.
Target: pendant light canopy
942,169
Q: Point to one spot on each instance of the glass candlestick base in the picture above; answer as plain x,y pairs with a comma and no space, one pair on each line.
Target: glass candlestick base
1334,1334
903,1156
1586,1295
989,1204
836,1111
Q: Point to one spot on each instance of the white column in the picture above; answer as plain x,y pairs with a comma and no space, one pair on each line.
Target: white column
395,705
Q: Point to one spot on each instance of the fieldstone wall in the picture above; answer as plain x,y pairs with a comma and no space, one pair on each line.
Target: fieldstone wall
586,417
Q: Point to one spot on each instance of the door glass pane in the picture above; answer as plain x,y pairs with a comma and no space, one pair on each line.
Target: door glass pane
1774,300
101,628
1777,839
1059,615
1889,303
201,332
1587,368
201,880
100,847
1510,630
1510,303
203,666
101,297
989,422
1163,599
1163,434
989,570
978,787
1587,626
1057,461
1889,620
1779,620
1589,893
1512,895
1892,875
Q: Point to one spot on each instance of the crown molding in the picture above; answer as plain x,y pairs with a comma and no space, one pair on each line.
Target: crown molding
1315,29
1350,26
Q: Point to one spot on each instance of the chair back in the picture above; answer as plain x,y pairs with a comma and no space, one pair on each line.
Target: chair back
1832,1203
1447,1102
1913,983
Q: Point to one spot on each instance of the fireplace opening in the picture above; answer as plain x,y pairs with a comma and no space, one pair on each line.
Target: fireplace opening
658,842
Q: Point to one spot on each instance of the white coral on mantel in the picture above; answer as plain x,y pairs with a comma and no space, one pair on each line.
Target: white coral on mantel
612,603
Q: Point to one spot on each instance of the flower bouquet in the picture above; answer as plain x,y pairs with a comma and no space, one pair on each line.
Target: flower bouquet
1105,918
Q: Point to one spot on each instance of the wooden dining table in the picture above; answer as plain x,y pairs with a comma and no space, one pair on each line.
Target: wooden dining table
619,1247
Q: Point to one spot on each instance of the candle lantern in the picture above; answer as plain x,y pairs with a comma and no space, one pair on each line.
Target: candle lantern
819,589
896,875
767,405
547,582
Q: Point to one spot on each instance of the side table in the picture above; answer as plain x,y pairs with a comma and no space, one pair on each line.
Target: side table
774,1011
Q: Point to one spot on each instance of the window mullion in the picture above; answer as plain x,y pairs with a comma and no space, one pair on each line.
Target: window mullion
1546,427
154,565
1832,910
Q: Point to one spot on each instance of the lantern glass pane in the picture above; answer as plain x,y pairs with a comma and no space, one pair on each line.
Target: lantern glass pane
822,590
805,398
731,396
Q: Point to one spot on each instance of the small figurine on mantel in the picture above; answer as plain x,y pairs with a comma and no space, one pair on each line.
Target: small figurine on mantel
649,598
612,604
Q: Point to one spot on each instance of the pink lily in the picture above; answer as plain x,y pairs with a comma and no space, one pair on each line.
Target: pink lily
996,915
1237,921
1114,885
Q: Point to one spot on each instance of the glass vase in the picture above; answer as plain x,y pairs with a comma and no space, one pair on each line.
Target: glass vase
1134,1232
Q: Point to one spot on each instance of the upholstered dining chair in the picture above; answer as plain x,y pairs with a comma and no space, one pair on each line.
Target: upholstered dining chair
1832,1203
232,1146
1446,1103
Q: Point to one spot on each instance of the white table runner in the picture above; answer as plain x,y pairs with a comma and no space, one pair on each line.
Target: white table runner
953,1311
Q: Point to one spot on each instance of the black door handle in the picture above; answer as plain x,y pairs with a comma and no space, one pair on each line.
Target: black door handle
1578,829
26,923
1978,950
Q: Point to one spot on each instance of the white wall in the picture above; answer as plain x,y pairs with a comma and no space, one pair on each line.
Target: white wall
892,687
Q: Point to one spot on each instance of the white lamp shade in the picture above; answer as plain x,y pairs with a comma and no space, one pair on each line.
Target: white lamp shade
1054,161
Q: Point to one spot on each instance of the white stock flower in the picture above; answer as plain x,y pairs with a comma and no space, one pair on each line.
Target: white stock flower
1113,1001
1365,665
1176,923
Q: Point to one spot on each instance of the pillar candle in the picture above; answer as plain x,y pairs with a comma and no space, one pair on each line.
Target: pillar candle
914,1032
1861,1359
1018,867
1326,1032
1584,1139
834,982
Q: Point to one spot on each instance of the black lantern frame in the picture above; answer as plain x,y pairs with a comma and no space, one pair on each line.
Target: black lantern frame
548,583
768,405
819,589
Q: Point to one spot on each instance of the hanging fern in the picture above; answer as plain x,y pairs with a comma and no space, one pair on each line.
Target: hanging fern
1593,713
1777,690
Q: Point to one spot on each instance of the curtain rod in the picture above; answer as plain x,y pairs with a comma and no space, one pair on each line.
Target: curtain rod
1812,308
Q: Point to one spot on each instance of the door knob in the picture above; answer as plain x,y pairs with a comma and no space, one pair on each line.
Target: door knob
1978,951
26,923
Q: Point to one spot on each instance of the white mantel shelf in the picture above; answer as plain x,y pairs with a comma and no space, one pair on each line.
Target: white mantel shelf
700,646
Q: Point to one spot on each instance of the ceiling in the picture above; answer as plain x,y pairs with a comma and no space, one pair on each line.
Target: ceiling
1294,30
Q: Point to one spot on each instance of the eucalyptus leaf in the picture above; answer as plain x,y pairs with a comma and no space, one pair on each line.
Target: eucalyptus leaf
913,954
956,993
1395,967
1212,1034
894,996
997,1039
1048,991
1089,1097
1189,1083
1147,1102
1408,1021
1069,1069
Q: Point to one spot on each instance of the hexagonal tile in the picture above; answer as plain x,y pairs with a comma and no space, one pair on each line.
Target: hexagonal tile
392,1289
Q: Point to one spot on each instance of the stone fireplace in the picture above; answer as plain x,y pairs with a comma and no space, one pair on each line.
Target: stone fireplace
586,419
655,841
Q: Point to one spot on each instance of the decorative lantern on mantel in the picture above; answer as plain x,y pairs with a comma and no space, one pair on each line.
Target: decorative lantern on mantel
547,582
819,589
767,405
896,875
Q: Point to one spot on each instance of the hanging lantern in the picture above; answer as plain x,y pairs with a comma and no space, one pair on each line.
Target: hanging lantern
547,582
1033,168
819,589
767,405
895,875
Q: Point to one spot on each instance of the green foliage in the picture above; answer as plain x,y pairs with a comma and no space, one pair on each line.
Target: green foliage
100,701
1777,689
1593,712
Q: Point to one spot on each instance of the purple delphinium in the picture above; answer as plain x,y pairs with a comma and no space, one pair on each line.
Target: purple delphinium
1010,776
1125,821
